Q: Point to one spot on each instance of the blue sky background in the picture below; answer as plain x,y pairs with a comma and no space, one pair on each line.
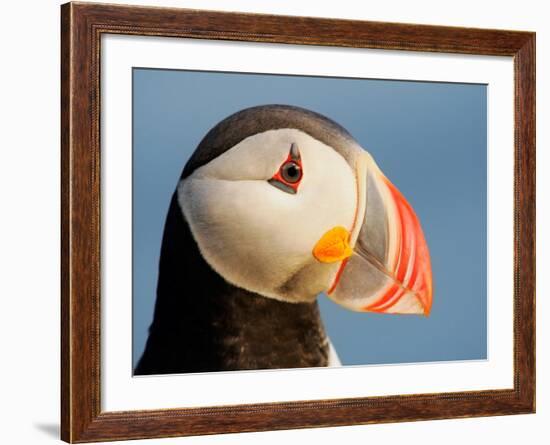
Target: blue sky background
428,138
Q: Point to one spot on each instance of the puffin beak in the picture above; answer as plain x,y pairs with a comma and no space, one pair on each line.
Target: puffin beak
384,259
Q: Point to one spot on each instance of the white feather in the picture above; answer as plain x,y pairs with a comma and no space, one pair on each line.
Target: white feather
333,359
259,237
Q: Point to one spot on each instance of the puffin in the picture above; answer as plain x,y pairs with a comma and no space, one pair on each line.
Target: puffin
277,205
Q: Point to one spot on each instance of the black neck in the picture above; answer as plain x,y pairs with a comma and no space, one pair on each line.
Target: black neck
202,323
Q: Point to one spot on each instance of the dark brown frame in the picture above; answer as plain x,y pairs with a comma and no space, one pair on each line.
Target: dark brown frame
82,25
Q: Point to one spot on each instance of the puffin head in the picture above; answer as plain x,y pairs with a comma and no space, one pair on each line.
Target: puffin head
283,202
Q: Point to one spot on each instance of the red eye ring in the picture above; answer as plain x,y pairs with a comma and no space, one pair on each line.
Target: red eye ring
290,173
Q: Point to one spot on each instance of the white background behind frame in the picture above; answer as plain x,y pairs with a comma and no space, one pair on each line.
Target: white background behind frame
120,391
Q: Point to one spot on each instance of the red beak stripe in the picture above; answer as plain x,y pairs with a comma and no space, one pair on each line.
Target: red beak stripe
410,266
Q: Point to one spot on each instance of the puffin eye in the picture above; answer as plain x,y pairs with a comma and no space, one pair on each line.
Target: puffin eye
291,172
289,175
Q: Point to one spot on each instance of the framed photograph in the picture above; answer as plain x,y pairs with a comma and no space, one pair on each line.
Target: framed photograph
274,222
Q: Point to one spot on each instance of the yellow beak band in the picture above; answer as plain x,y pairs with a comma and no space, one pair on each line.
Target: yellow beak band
333,246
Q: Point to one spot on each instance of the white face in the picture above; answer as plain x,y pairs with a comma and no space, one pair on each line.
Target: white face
258,236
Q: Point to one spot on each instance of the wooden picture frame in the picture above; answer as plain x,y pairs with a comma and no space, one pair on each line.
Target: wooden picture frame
82,25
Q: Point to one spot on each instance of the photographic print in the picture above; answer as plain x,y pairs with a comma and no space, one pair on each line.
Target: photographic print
285,221
274,222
